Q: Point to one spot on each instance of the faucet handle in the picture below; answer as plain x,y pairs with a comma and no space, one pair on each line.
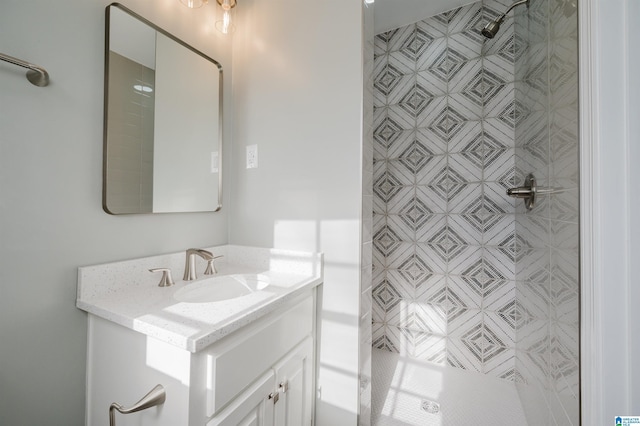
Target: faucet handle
166,279
211,266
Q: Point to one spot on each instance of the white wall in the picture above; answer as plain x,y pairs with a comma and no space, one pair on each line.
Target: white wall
51,220
390,14
633,158
298,96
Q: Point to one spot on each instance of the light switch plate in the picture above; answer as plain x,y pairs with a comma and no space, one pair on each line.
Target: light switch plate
215,158
252,156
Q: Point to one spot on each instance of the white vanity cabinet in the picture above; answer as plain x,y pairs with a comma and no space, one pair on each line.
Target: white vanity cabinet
288,405
260,374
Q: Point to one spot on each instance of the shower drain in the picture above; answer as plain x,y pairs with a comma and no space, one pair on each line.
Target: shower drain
430,406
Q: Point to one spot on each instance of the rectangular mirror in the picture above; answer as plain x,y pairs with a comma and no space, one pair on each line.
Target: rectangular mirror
162,121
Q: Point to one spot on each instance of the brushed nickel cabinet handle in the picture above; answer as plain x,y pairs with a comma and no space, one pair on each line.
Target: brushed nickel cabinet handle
156,396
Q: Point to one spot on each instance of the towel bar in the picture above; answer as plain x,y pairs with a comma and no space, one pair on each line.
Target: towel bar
38,76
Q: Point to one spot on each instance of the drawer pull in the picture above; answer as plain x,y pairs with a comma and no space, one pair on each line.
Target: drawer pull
275,396
284,386
156,396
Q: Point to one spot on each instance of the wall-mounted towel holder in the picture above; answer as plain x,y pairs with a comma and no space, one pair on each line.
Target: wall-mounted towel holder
156,396
38,76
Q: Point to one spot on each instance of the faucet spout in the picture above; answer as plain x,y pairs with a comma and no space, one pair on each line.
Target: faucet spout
190,263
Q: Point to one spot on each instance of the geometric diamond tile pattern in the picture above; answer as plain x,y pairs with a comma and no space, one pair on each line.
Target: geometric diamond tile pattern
450,243
547,310
441,282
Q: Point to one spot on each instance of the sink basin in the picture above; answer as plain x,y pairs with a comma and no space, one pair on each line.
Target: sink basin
225,287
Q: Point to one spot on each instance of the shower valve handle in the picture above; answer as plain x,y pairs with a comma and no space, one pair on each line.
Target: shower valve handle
526,192
520,192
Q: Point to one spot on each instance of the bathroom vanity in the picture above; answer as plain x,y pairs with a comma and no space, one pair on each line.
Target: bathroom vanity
247,359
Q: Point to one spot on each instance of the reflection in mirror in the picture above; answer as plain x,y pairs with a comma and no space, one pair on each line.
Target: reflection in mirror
162,140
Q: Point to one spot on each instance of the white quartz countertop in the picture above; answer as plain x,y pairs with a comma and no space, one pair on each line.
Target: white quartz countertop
128,294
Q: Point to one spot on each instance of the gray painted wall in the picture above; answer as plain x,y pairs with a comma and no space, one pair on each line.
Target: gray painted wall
51,219
366,265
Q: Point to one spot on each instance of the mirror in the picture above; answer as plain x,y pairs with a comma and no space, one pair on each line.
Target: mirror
162,123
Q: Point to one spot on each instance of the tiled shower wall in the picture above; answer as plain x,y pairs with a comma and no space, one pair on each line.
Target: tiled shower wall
547,279
444,230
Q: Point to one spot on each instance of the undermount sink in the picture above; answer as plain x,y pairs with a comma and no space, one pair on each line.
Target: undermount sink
225,287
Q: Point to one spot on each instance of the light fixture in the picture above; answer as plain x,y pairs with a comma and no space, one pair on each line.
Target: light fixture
142,88
225,25
194,4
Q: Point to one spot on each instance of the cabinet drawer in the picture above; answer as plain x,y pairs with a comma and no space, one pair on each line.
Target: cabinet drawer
251,408
234,365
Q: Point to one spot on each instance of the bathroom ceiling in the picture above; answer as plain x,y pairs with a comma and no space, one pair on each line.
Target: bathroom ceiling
389,14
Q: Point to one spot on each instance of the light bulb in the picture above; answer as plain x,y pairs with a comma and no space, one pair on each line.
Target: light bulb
225,24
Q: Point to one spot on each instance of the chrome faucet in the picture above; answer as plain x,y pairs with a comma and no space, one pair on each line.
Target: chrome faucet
190,264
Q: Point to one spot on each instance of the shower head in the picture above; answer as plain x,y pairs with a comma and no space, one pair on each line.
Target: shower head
491,29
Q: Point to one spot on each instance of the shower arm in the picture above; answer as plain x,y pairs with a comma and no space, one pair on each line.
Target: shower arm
38,76
518,3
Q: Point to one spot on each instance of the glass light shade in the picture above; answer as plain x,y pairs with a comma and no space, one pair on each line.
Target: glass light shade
225,25
194,4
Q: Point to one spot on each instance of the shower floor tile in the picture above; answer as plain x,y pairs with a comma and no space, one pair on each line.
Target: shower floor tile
401,385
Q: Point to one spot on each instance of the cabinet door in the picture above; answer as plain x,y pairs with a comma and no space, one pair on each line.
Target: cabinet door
251,408
294,380
123,365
